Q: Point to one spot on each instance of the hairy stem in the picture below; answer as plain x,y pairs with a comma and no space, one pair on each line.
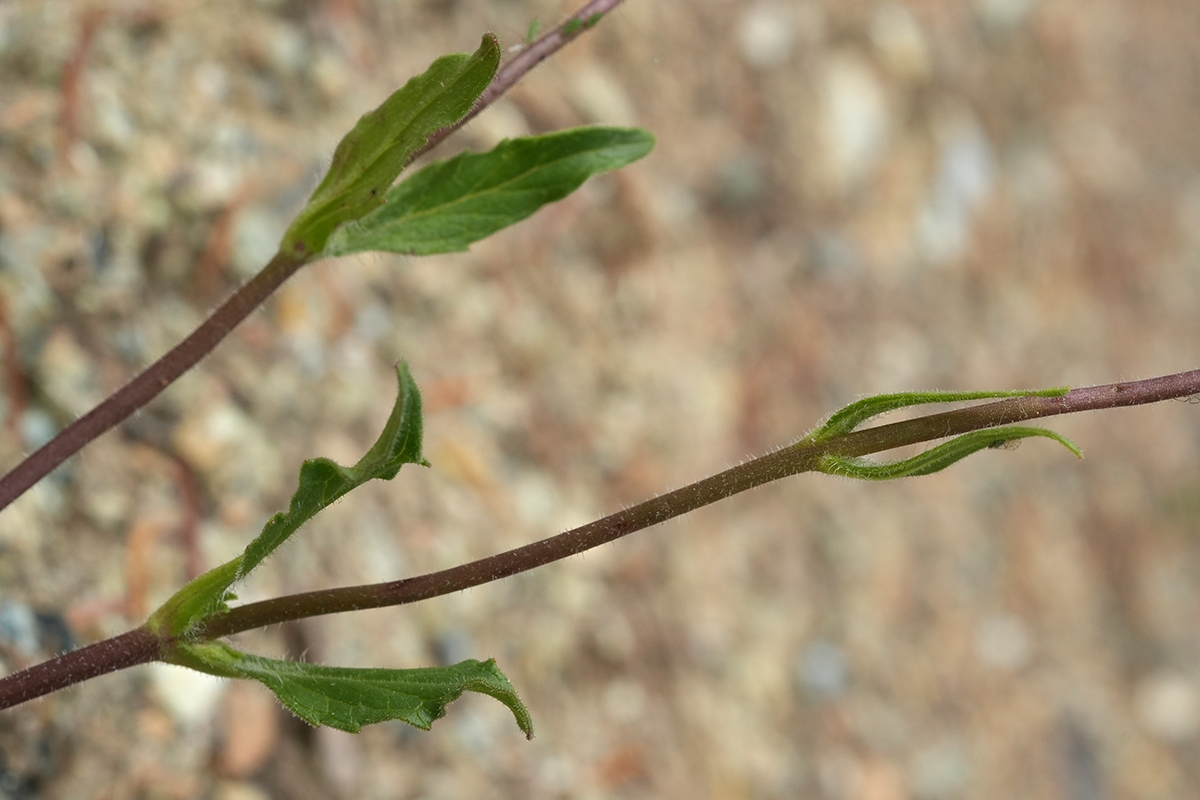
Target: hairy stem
139,646
134,647
147,385
530,56
791,460
185,355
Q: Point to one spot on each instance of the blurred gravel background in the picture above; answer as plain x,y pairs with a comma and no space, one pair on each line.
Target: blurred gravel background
846,198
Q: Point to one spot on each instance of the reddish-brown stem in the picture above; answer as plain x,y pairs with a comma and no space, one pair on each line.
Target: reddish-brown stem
529,57
146,386
800,457
133,648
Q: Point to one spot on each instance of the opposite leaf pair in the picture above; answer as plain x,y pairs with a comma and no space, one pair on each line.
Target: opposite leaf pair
340,697
448,205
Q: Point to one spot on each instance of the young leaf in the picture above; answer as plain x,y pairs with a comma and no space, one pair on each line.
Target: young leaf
938,458
850,417
197,599
348,699
450,204
321,483
372,155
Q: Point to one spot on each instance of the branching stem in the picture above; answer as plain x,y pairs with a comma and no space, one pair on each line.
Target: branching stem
791,460
139,646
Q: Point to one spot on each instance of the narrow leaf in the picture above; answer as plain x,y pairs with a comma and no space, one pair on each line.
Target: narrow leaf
450,204
348,699
321,483
372,155
938,458
850,417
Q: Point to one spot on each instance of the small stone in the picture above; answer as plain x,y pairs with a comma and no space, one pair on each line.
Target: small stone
624,700
67,373
212,82
600,97
256,236
1002,643
19,628
939,772
1168,707
240,790
741,181
214,184
37,428
822,669
1002,16
854,119
190,697
767,35
961,186
902,46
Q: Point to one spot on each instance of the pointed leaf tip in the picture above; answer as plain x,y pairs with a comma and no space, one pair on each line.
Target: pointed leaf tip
370,157
450,204
321,482
937,458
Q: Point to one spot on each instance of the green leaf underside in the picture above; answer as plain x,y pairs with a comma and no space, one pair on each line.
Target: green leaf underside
850,417
348,699
370,157
938,458
321,483
450,204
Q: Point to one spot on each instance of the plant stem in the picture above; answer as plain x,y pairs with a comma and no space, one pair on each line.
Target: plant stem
530,56
791,460
162,373
139,646
147,385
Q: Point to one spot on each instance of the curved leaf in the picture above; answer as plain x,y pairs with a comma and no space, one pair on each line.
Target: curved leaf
321,483
938,458
348,699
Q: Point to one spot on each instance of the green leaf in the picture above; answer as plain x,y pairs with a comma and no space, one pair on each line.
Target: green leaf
450,204
321,483
348,699
938,458
372,155
850,417
197,599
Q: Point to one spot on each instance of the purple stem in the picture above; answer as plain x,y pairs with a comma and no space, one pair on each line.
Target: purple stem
139,646
185,355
